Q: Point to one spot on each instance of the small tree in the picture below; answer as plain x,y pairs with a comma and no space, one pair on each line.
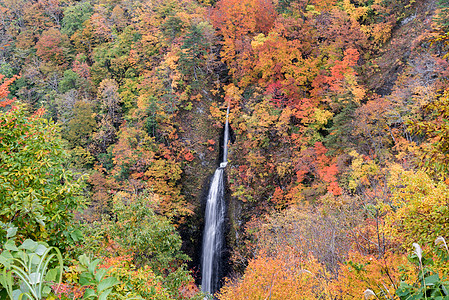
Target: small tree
37,194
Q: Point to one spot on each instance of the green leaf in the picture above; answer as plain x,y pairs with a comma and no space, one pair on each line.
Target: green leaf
22,256
11,232
99,275
431,280
35,260
17,294
29,245
444,289
105,294
35,278
6,259
40,250
51,274
11,245
107,283
86,279
84,260
89,293
76,235
93,265
403,290
46,291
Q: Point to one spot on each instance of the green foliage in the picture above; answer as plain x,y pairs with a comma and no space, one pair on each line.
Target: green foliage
441,19
112,59
172,27
339,132
136,230
74,17
80,128
69,81
28,271
194,53
154,240
7,70
91,276
429,284
37,194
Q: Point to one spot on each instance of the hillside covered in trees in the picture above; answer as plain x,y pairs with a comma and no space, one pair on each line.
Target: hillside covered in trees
111,125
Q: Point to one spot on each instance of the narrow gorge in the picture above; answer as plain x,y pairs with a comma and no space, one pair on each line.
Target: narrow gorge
213,237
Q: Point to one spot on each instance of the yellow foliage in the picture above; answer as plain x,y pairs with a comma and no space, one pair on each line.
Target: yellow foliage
283,168
135,282
233,94
358,93
381,32
322,116
419,207
356,13
258,40
361,170
282,124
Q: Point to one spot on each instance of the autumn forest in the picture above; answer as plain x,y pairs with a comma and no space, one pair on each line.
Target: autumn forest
111,126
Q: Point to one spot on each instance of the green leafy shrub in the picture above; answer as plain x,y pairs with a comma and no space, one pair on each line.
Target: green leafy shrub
148,241
99,284
37,193
429,283
28,271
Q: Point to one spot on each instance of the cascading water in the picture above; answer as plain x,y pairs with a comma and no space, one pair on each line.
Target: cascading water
214,221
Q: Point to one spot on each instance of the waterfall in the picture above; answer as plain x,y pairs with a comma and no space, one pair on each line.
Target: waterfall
213,235
225,140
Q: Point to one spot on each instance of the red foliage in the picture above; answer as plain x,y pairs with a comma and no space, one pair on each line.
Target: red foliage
50,46
81,68
278,97
4,92
327,169
189,290
68,291
265,15
189,156
341,68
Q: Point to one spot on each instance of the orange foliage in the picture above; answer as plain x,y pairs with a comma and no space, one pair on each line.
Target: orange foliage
327,169
236,21
189,290
68,291
140,163
103,189
278,59
342,68
282,276
4,92
189,156
100,27
381,275
81,68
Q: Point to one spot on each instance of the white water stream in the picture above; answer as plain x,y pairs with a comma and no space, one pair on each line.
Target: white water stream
214,221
